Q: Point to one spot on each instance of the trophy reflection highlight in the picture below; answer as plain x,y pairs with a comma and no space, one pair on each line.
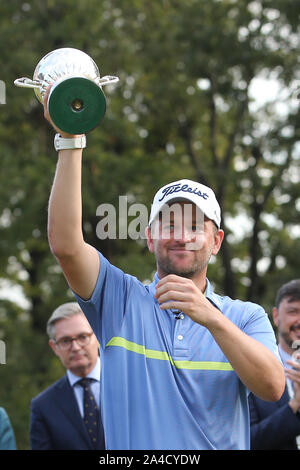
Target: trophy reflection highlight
76,100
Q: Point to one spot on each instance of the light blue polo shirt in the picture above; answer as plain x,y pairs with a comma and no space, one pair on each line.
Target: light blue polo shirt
165,383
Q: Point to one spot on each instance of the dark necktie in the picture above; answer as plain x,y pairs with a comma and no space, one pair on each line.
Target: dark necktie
91,412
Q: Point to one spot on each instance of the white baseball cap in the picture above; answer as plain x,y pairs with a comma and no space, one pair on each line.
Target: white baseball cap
202,196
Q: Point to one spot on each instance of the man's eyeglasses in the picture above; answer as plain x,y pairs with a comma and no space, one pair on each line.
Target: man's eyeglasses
82,340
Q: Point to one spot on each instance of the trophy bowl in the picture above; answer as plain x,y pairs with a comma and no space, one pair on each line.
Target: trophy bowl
76,100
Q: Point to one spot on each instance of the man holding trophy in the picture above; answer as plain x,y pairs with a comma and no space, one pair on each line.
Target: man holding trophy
178,360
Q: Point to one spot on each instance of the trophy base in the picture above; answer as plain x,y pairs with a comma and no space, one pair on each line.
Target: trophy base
76,105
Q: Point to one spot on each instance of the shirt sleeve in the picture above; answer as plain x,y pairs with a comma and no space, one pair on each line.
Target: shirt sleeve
7,436
106,308
257,325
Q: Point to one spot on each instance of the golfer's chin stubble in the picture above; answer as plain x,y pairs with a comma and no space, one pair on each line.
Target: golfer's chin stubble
186,264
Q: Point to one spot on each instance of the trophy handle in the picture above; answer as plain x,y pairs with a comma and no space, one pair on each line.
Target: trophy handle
106,80
27,83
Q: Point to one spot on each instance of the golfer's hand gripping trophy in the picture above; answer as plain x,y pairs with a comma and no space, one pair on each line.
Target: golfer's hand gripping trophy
76,101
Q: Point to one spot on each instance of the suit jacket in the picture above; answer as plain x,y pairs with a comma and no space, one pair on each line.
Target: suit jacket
273,424
56,423
7,437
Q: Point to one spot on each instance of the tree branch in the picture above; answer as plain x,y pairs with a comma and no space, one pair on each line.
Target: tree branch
185,132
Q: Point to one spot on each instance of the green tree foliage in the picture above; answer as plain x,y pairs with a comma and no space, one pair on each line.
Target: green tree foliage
183,108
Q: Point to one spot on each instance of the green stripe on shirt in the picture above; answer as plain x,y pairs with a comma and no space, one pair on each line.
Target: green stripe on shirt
164,356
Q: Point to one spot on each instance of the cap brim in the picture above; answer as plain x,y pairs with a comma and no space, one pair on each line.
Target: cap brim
158,209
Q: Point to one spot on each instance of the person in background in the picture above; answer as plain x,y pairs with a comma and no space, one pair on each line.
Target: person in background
277,425
7,436
66,415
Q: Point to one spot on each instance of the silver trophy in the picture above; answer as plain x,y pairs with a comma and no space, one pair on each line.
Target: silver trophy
76,101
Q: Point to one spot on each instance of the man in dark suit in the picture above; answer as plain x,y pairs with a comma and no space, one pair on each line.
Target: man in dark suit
277,425
66,415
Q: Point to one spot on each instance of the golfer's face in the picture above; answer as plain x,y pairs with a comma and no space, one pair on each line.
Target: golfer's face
183,240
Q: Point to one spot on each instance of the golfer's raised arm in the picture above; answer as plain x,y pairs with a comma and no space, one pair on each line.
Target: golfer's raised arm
78,260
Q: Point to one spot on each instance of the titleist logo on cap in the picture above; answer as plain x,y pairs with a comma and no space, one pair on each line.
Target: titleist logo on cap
176,188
